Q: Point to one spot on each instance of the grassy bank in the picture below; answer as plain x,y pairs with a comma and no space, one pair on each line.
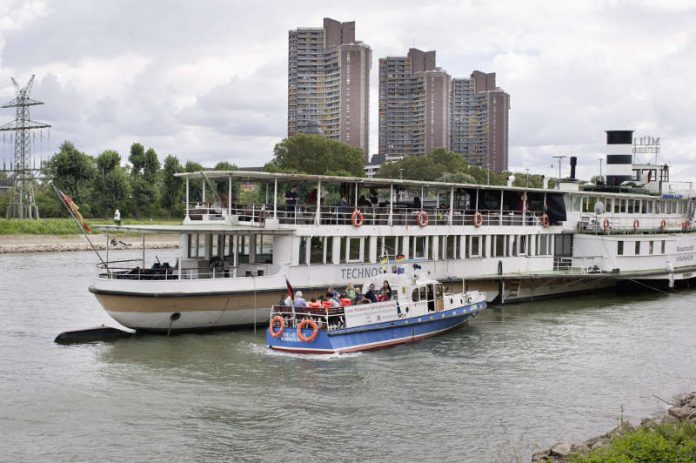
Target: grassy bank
671,442
61,226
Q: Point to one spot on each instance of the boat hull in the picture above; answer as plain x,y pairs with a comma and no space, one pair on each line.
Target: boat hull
375,336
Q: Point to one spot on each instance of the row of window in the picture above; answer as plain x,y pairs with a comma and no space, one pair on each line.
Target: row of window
321,249
649,248
626,206
233,248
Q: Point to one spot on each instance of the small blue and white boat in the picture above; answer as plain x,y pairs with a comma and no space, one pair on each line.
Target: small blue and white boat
419,308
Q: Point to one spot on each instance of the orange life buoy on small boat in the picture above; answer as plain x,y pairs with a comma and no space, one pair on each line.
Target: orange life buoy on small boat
422,219
605,224
478,219
357,218
636,224
315,330
281,326
545,221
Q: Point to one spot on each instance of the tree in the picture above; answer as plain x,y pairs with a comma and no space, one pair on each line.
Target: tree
111,186
73,172
457,177
143,177
315,154
224,165
172,187
195,192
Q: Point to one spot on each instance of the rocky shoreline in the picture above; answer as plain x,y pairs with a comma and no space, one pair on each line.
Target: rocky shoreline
683,410
14,244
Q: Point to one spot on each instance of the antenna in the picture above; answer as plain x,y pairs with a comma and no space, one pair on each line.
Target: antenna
22,204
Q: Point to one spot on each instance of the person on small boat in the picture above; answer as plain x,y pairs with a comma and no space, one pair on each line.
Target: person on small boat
285,300
314,304
332,299
299,300
386,293
371,294
350,292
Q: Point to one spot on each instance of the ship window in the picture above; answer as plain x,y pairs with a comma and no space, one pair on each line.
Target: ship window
229,246
629,206
316,252
418,246
648,207
651,248
637,252
303,249
475,246
423,293
662,247
522,251
243,248
619,248
415,296
544,247
450,247
588,204
214,245
354,249
193,244
500,246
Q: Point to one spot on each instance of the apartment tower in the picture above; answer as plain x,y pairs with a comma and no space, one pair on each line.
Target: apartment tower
479,121
329,83
413,105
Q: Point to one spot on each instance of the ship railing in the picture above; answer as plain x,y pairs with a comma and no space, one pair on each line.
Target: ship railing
649,223
579,265
327,319
127,270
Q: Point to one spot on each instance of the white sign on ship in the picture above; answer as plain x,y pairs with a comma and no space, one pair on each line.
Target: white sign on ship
366,314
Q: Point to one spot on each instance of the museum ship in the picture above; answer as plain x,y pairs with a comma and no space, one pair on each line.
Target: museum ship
237,255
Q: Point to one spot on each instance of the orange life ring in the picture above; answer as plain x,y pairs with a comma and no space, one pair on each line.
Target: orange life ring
663,224
636,224
357,218
686,224
478,219
313,325
605,224
422,219
281,322
545,221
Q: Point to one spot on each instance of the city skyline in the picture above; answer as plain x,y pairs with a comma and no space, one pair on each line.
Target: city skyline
209,82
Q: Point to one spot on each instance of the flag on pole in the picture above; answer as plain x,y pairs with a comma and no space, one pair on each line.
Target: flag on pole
291,291
74,210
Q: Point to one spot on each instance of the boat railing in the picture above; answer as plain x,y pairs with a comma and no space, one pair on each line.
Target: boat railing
579,265
327,319
309,214
132,269
649,223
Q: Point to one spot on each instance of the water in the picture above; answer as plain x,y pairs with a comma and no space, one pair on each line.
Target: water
516,380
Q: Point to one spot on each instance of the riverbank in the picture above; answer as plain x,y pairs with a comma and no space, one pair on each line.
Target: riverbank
672,438
11,244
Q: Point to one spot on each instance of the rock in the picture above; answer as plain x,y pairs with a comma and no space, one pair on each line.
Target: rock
562,449
541,456
580,448
667,419
648,423
678,413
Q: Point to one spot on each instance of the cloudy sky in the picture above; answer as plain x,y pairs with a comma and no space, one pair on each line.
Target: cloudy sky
207,80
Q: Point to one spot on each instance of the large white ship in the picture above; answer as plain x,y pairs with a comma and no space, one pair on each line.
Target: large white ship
514,243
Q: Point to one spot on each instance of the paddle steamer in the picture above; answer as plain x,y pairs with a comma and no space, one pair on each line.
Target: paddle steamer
514,243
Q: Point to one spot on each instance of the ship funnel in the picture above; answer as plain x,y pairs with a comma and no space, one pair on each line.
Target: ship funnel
619,156
573,163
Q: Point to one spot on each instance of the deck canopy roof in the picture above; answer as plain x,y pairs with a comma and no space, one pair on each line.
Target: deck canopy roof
197,227
373,182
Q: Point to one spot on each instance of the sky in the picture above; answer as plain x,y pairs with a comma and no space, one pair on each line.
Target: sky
207,80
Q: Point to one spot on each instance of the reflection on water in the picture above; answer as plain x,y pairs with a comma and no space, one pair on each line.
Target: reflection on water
518,376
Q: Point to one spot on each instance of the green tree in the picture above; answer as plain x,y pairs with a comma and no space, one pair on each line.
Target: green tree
457,177
195,192
143,176
224,165
73,172
315,154
111,186
172,187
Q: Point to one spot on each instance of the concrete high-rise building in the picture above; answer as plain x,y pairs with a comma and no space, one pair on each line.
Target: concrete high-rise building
413,105
479,121
329,83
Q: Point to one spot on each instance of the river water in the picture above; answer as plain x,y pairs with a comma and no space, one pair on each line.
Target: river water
518,379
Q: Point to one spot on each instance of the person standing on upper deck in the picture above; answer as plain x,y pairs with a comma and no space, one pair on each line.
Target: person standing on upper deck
291,200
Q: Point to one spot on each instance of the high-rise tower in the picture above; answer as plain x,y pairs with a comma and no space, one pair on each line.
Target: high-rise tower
479,121
413,105
329,83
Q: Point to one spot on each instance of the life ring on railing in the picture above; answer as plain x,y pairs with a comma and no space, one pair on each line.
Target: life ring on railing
357,218
636,224
545,221
663,224
281,326
422,219
315,330
262,218
478,219
216,264
605,224
686,224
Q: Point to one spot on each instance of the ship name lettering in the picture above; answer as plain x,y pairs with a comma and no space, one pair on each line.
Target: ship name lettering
685,248
354,273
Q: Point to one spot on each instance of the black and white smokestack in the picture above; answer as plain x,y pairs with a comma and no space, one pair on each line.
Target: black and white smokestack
619,156
573,163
